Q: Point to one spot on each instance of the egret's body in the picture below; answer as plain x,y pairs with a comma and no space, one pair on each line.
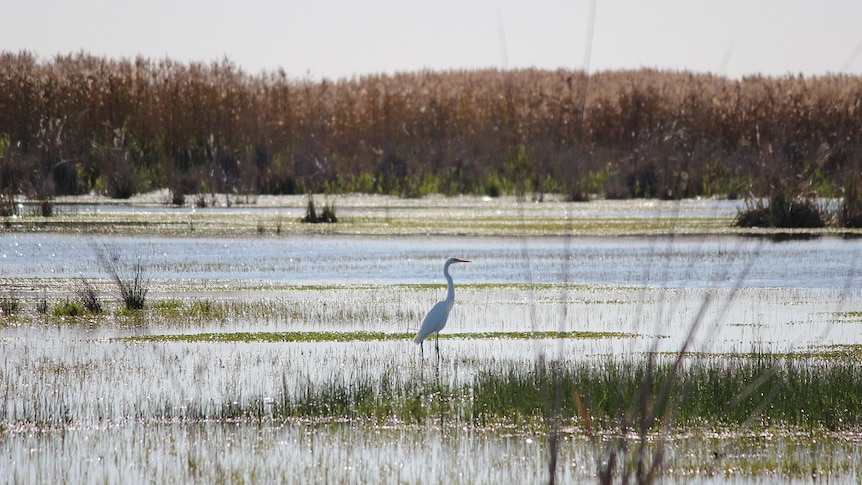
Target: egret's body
436,318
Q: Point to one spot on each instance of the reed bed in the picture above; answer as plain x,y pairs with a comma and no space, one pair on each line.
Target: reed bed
79,123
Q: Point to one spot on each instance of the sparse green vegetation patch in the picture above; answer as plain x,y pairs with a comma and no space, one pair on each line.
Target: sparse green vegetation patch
840,351
358,336
411,220
68,309
850,316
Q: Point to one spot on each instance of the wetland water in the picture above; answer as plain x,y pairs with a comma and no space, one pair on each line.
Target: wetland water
826,262
78,406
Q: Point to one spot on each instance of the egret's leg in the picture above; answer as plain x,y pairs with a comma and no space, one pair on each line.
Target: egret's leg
437,346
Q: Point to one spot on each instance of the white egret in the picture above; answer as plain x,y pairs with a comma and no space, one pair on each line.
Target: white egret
436,318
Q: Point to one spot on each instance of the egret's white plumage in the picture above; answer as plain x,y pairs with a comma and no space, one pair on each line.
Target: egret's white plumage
436,318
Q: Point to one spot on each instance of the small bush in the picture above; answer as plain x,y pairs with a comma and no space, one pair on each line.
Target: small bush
782,211
42,306
201,201
328,214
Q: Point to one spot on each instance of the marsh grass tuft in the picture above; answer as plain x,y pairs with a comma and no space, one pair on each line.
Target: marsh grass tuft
10,305
70,308
170,307
131,280
133,290
89,298
326,215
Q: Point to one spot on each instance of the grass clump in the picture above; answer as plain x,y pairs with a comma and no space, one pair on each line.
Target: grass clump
70,308
131,280
10,305
326,215
170,307
133,289
89,298
752,392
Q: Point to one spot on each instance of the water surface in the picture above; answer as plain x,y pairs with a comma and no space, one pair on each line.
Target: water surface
827,262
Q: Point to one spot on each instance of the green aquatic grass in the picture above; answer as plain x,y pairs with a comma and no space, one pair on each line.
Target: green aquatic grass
816,353
766,393
759,392
68,309
359,336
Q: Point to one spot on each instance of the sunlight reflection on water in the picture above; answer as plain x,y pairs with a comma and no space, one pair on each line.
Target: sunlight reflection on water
695,262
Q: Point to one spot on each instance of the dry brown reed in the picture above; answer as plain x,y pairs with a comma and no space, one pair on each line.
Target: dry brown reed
79,123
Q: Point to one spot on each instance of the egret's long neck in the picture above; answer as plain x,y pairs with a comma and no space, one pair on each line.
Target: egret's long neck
450,295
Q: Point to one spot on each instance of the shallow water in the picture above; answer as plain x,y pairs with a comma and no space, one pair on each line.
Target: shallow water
79,406
827,262
350,453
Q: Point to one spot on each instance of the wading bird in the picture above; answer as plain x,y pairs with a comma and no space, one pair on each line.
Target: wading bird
436,318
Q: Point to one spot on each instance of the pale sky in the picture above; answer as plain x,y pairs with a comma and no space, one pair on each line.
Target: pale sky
342,38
